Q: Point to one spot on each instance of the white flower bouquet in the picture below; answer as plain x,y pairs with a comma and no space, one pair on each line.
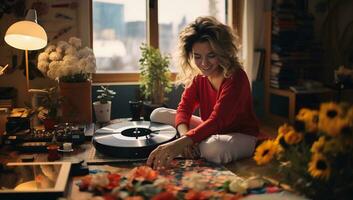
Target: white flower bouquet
67,61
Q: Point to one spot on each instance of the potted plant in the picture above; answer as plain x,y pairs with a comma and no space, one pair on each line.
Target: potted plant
102,107
49,104
154,78
71,64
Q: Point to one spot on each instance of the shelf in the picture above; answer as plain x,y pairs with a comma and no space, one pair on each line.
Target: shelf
270,94
291,104
281,92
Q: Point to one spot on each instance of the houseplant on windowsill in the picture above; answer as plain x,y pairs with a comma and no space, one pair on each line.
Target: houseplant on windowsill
102,107
71,65
154,78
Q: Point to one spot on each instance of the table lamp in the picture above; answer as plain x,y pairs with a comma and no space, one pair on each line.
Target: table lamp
27,35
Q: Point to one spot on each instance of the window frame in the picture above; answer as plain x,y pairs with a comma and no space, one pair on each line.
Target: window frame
232,16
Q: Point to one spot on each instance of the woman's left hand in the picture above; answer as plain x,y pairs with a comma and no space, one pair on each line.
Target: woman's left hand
165,153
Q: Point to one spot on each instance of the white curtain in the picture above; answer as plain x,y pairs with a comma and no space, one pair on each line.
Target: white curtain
253,30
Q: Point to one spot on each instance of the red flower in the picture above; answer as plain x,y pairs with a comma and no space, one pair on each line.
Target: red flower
108,197
164,196
114,180
143,173
195,195
134,198
228,196
85,182
171,188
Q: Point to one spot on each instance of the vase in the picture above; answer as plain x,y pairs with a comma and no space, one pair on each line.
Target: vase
135,109
76,104
102,111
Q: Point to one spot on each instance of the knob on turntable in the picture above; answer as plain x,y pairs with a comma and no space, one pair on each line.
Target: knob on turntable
132,139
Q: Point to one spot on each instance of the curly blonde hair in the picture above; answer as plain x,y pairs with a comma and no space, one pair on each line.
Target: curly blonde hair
222,40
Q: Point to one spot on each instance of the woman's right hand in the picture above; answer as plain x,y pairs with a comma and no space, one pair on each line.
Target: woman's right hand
191,151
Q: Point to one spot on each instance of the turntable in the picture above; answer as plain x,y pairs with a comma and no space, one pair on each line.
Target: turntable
132,139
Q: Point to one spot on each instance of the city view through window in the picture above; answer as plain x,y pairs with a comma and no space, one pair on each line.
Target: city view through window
119,29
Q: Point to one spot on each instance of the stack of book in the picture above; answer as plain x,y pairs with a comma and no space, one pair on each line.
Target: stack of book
294,54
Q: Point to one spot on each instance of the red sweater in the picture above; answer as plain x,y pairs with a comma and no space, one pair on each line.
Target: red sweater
228,110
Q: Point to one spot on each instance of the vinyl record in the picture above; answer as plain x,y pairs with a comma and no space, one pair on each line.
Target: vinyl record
132,139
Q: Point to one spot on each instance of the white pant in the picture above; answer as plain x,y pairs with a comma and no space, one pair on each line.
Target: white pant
223,148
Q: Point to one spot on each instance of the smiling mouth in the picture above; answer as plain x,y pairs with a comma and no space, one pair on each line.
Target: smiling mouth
205,68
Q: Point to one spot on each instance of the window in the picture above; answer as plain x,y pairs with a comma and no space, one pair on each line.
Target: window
173,16
120,26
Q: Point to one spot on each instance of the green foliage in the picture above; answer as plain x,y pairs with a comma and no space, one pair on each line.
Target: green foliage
105,95
51,101
154,74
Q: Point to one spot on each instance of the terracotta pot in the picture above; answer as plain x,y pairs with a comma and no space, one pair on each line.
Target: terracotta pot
77,102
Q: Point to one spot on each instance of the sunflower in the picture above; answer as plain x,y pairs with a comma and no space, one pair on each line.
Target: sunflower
319,167
329,111
283,130
335,127
330,120
265,152
318,145
310,119
293,137
303,114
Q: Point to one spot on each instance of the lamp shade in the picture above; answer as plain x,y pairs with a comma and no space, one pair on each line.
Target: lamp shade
26,35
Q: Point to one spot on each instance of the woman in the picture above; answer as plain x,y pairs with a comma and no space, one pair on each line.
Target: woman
216,84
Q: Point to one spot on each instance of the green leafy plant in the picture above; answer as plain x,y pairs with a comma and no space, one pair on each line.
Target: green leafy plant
154,74
105,95
49,103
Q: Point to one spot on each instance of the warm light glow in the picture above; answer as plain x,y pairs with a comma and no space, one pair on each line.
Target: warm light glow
26,35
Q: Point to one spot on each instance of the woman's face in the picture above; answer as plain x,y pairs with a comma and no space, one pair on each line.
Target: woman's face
205,59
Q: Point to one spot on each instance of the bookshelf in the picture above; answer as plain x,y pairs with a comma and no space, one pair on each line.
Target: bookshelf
292,98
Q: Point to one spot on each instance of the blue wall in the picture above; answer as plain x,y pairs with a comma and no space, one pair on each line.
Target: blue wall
126,93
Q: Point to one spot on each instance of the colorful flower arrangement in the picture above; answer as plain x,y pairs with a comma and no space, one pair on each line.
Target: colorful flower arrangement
67,61
315,155
145,183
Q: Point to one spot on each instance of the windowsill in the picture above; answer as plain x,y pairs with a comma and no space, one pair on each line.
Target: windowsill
123,78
